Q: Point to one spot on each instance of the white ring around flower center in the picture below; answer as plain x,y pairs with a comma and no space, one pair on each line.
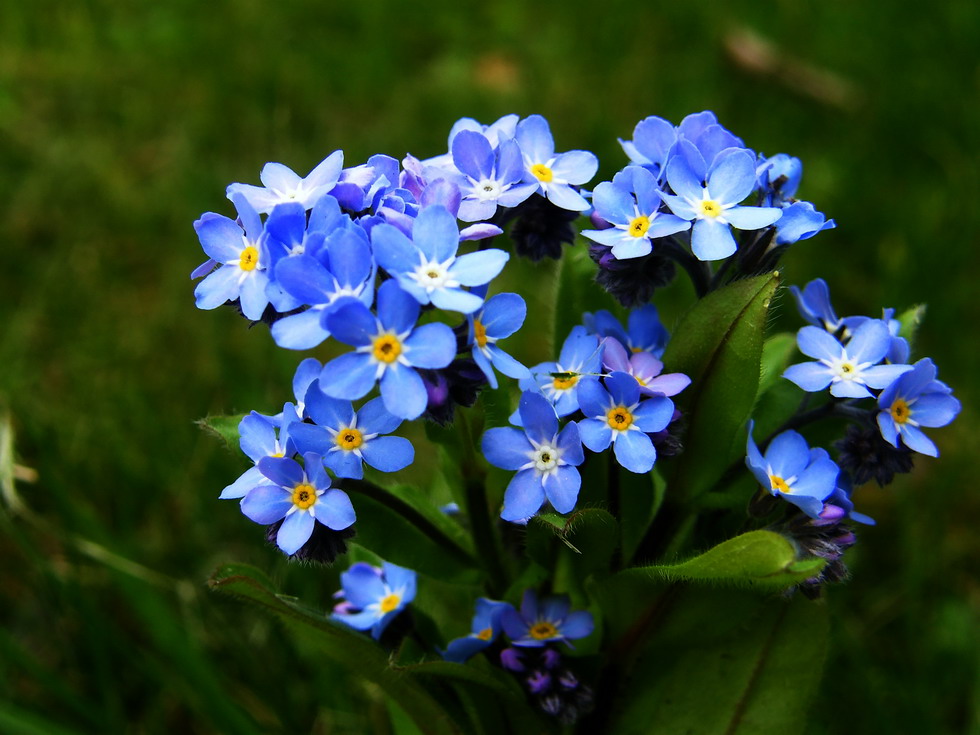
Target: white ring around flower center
546,458
432,276
487,190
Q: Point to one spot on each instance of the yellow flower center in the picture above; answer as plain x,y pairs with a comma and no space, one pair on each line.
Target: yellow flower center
778,483
387,348
564,382
479,333
619,418
249,260
710,208
639,226
349,439
543,630
900,411
390,603
542,172
304,495
485,634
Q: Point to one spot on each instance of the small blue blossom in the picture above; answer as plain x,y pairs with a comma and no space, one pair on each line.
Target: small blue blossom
485,629
554,174
280,184
346,439
790,469
241,253
428,268
258,439
548,621
801,221
644,333
655,139
389,348
914,400
849,370
899,349
301,497
710,197
545,460
631,204
581,354
490,177
616,415
373,596
500,317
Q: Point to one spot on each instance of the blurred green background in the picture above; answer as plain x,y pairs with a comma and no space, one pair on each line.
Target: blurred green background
120,122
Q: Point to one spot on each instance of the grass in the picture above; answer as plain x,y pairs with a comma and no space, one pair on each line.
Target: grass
121,122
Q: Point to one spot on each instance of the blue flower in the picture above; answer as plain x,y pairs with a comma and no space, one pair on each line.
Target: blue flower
813,303
849,370
427,266
801,221
554,174
344,269
281,184
581,354
389,348
500,317
710,196
373,596
301,497
616,415
898,349
549,621
655,139
490,177
914,400
257,438
545,460
790,469
485,629
645,369
631,204
241,254
346,439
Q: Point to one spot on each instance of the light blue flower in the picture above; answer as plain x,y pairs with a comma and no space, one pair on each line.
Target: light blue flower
280,184
299,496
914,400
258,438
544,458
616,415
490,177
790,469
485,629
427,266
711,198
549,621
346,439
631,204
581,354
849,370
813,303
389,348
373,596
554,174
644,333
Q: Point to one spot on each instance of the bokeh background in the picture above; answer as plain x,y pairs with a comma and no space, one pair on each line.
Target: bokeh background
120,122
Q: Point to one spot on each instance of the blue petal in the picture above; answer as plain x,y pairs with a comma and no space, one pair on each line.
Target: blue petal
535,139
635,451
575,167
538,417
818,480
915,440
506,447
595,434
281,470
310,438
507,364
935,409
220,237
654,414
241,487
388,453
349,376
334,510
462,649
577,625
403,392
400,578
219,287
562,195
252,295
472,154
393,251
455,299
374,418
352,323
301,331
752,218
362,585
562,488
327,411
430,346
267,504
711,240
732,177
870,342
294,532
623,389
788,454
344,463
570,444
435,233
681,174
810,376
305,278
478,268
593,399
397,310
815,342
612,203
257,436
524,496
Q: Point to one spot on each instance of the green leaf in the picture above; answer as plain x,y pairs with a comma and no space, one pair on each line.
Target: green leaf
352,650
224,428
577,293
777,352
718,344
758,559
910,320
721,662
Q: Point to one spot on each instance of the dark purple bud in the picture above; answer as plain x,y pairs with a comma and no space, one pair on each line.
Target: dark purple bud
510,659
551,705
551,658
539,682
829,515
568,680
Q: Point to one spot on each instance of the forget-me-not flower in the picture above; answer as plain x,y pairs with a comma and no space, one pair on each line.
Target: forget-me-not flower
258,438
545,459
581,354
500,317
490,177
554,174
485,629
373,596
914,400
550,620
281,184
